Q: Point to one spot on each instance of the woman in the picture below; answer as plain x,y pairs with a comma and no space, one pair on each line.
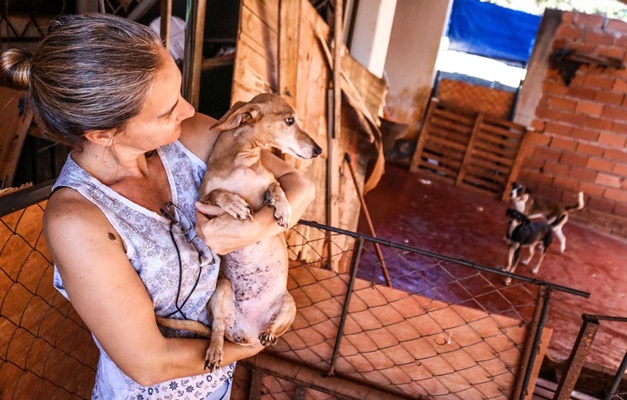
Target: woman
119,221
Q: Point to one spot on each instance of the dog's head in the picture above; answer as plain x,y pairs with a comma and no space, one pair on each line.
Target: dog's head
517,216
519,196
273,123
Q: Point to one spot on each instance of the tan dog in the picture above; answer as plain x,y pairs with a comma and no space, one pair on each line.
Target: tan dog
251,301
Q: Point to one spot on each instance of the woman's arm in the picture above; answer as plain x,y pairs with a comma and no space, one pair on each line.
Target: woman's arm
111,299
224,233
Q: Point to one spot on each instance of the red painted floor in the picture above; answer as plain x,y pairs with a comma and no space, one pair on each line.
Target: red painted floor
416,210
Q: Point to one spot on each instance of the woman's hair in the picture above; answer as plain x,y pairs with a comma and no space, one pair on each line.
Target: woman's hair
90,72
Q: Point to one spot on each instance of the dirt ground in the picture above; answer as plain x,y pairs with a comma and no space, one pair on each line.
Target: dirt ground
432,215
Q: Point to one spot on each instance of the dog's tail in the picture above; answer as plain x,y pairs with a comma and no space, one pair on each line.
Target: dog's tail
558,220
578,206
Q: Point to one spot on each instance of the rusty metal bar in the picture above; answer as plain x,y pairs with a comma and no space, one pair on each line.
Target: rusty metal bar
438,256
364,207
609,393
349,292
536,342
577,357
531,334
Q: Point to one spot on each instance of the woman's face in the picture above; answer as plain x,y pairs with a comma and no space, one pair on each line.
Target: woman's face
159,121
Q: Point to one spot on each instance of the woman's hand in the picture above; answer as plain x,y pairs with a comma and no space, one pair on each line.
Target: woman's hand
223,233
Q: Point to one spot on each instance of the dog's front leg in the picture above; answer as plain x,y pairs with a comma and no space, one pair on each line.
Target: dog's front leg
275,197
512,260
220,303
231,203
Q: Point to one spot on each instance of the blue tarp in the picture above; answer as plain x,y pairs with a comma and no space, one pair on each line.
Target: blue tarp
492,31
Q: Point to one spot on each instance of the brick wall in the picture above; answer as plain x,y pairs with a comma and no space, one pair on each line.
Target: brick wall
581,128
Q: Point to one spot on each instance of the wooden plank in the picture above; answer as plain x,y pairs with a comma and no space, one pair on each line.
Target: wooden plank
469,149
16,119
448,143
192,65
460,118
265,11
451,126
481,163
514,134
448,135
492,157
499,141
515,167
496,149
289,38
422,138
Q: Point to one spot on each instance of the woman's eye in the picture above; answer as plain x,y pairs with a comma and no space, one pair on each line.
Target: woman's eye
289,121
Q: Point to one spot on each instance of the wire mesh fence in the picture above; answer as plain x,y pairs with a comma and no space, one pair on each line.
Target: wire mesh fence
445,329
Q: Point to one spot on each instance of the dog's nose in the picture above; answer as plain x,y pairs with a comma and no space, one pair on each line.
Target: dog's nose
317,150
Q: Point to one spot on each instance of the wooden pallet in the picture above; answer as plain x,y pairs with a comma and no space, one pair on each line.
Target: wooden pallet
469,149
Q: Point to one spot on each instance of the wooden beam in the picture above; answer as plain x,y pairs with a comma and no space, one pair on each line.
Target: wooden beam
289,38
166,15
192,66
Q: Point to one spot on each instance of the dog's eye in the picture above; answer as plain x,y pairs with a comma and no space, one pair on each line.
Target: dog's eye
289,121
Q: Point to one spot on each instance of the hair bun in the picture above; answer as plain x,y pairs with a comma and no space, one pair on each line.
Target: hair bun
16,64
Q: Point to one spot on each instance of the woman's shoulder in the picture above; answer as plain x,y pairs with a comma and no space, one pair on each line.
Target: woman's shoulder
68,208
197,135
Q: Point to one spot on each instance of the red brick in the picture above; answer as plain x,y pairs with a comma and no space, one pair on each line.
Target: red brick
566,183
555,169
606,97
547,154
598,123
599,164
554,88
608,180
603,205
538,125
600,81
569,31
539,178
621,41
583,47
617,195
620,169
533,163
574,159
563,143
616,25
568,17
616,155
621,209
620,85
592,190
580,92
612,140
582,174
591,20
585,134
590,149
557,127
612,52
538,139
615,113
589,108
620,128
561,103
598,37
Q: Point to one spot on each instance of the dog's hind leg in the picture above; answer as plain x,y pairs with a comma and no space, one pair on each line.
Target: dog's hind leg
537,267
280,322
560,236
532,251
220,303
546,242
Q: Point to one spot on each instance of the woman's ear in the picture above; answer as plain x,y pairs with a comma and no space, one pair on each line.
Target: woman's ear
100,136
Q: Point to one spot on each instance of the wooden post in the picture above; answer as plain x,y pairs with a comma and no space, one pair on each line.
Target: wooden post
469,149
166,15
422,138
194,37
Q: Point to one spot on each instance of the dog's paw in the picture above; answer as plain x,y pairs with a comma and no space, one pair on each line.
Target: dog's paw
267,338
282,216
231,203
213,358
508,281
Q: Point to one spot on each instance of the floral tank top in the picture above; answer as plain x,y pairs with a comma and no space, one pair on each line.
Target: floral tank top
177,268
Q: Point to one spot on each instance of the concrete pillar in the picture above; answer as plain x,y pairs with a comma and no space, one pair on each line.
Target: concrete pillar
410,64
371,33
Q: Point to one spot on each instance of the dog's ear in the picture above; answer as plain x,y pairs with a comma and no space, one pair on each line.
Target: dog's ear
241,113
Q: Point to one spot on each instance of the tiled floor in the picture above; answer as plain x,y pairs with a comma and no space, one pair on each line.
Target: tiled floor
429,214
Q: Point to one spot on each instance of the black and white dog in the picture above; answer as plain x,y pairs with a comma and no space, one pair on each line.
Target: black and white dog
554,212
521,232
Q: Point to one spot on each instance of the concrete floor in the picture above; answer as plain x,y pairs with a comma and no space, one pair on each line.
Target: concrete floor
417,210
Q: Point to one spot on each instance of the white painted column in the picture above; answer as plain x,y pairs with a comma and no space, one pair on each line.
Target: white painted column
371,33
